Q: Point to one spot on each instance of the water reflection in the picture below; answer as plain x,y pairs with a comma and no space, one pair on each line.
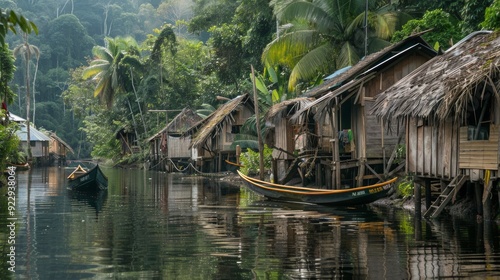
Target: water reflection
156,225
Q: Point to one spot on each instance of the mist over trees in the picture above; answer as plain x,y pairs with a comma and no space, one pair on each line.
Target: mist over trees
186,53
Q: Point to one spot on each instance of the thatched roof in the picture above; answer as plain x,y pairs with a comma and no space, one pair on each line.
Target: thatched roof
180,124
287,107
444,85
348,82
212,124
346,75
57,138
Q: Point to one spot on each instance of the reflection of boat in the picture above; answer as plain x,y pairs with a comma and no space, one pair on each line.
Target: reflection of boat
20,167
232,166
95,199
352,196
92,180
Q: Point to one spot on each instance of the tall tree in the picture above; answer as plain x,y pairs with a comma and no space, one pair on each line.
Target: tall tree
111,68
27,51
319,36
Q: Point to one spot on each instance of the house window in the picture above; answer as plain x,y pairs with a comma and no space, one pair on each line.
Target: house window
479,118
235,129
33,143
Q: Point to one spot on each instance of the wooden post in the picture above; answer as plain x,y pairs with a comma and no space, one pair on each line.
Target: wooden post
259,137
335,149
428,198
418,201
238,153
362,140
479,201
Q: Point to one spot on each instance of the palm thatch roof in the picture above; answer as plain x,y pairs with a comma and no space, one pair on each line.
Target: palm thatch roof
57,138
444,85
180,124
213,124
290,106
347,74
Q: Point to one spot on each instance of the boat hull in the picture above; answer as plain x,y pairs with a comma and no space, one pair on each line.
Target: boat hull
92,181
344,197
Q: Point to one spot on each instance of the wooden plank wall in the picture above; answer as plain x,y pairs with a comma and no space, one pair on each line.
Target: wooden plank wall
179,147
393,73
284,139
432,150
479,154
375,130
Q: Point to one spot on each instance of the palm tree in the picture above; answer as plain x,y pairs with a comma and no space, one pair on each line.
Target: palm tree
320,36
111,67
26,51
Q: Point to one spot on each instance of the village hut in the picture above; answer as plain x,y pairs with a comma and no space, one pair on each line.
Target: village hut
170,151
281,134
212,138
450,110
38,140
342,140
128,140
39,144
58,149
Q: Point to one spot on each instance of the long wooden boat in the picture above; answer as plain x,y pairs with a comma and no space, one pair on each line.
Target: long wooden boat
342,197
232,166
88,181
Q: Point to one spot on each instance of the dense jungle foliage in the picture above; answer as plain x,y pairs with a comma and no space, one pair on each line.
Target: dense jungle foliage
98,67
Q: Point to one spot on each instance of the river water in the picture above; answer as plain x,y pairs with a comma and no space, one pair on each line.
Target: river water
152,225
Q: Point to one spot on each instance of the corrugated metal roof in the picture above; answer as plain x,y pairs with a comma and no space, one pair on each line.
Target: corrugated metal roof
35,134
15,118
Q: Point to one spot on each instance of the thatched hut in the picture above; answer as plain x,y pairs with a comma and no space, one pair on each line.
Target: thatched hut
345,142
281,135
450,110
212,138
168,149
58,149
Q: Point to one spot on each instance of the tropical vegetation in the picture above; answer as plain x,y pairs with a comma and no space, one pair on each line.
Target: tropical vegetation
99,67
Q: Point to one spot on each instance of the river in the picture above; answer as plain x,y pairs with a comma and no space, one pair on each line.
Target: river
153,225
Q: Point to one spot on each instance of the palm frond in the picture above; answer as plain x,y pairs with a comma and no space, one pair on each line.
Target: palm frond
288,49
310,65
308,11
376,44
347,56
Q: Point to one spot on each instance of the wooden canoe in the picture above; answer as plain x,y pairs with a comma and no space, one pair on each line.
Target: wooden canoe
341,197
87,181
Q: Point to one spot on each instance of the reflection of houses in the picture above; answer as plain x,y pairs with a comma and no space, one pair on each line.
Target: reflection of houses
450,110
168,146
212,137
58,149
338,141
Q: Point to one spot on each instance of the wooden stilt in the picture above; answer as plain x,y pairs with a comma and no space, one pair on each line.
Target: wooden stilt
418,201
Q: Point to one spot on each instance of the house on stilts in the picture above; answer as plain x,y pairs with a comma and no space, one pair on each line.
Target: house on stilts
450,110
212,137
169,151
58,150
337,143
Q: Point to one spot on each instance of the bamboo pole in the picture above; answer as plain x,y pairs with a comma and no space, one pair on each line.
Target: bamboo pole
259,137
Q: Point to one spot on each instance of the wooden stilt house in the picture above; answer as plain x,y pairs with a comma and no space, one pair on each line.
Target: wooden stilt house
58,149
212,137
282,134
450,109
170,151
341,140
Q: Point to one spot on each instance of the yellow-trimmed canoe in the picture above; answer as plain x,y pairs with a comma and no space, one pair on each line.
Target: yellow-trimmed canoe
342,197
88,181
